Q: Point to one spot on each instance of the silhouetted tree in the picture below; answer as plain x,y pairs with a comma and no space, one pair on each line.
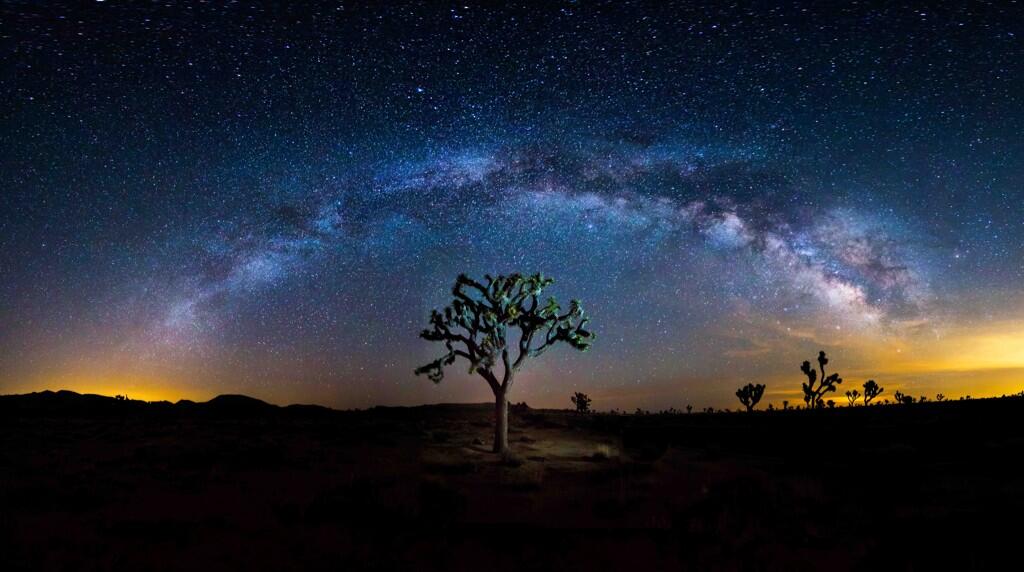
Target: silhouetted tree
475,327
871,391
582,402
852,396
785,404
750,394
689,408
940,397
814,394
903,398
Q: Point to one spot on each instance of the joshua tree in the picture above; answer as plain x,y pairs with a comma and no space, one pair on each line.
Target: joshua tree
940,397
814,395
831,404
871,391
689,408
852,396
903,398
582,402
475,327
785,404
750,394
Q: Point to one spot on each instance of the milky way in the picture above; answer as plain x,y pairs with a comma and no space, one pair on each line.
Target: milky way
208,199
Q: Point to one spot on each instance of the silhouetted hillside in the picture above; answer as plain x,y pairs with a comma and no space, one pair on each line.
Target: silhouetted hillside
70,403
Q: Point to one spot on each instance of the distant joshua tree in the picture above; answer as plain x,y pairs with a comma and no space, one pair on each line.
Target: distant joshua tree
815,394
871,391
750,394
475,327
785,404
903,398
582,402
689,408
852,396
940,397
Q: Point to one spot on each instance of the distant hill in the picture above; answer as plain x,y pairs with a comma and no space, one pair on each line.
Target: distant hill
66,403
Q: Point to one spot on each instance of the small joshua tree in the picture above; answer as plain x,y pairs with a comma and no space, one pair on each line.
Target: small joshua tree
814,394
475,327
871,391
582,402
903,398
785,404
852,396
940,398
689,408
750,394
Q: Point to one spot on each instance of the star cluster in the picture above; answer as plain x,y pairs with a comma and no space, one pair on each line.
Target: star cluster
212,198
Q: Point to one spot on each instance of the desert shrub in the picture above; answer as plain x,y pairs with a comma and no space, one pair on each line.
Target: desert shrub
582,402
903,398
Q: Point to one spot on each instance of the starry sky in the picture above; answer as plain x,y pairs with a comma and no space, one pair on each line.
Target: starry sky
221,197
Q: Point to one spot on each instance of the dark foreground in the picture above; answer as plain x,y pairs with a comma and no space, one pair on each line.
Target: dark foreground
89,483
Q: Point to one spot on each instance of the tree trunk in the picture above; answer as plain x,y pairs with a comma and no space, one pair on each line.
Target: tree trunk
501,423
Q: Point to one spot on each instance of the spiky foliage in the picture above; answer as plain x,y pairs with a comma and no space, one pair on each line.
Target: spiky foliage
852,396
499,324
871,391
582,402
750,394
814,394
476,326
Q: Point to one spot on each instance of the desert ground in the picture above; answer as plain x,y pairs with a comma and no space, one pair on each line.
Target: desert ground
93,483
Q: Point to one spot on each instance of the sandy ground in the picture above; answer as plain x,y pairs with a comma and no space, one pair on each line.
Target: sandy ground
419,488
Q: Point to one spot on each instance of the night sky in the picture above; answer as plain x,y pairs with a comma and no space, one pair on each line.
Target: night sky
220,198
